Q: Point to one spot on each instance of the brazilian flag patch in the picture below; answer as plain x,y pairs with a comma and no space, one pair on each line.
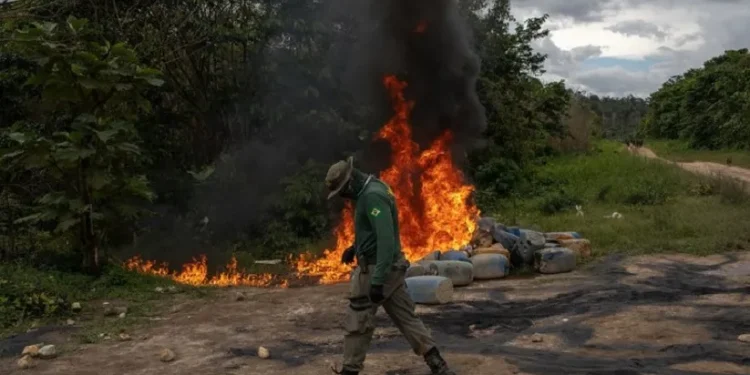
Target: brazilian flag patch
375,212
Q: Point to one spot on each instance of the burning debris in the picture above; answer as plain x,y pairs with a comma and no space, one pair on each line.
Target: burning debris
435,209
419,50
196,273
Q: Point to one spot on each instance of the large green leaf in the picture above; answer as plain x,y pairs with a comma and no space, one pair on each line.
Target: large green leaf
72,154
121,50
65,225
203,174
155,82
106,135
99,179
18,137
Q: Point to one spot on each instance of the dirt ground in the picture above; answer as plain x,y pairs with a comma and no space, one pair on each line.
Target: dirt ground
701,167
669,314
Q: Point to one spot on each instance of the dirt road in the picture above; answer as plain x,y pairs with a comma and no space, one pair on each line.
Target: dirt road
701,167
645,315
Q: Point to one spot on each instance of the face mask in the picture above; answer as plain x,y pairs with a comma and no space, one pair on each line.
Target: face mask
355,185
348,191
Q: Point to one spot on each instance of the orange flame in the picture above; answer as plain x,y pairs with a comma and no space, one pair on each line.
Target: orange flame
196,273
435,212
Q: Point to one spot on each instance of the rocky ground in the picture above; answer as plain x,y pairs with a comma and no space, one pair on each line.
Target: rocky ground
645,315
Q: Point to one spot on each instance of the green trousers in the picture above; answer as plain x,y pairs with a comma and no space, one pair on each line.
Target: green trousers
359,324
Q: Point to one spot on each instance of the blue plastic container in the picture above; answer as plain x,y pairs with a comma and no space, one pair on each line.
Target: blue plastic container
460,273
555,260
516,231
505,238
455,255
490,266
430,290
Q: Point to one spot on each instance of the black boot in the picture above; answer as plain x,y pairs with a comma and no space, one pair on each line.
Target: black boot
437,363
344,372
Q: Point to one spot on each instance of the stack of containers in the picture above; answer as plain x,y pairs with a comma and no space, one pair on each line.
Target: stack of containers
493,251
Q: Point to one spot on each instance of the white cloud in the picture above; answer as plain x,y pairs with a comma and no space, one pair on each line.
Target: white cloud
669,36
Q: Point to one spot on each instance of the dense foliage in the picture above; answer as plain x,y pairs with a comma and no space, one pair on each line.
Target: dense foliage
620,117
210,123
709,107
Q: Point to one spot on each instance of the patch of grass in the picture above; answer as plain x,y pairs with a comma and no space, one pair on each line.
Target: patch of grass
611,175
731,191
664,208
31,297
679,151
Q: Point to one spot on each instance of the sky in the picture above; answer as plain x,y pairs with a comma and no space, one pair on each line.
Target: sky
631,47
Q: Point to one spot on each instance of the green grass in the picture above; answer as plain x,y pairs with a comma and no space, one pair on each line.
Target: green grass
664,208
680,152
30,297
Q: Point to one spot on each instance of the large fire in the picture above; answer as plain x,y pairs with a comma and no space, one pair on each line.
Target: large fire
435,210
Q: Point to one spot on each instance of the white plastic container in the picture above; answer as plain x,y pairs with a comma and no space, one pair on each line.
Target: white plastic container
461,273
430,290
490,266
555,260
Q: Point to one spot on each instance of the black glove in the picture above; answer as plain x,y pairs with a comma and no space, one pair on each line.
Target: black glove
376,294
348,256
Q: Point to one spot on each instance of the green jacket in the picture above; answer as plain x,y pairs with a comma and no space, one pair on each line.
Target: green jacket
376,235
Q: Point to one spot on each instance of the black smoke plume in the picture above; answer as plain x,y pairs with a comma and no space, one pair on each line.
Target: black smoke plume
428,44
424,42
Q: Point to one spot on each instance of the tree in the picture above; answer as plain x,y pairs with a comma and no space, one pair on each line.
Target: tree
522,112
82,138
709,107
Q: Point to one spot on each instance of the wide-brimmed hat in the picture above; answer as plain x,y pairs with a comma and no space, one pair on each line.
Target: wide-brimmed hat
338,175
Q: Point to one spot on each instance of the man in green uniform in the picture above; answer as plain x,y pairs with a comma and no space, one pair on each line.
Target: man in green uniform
381,269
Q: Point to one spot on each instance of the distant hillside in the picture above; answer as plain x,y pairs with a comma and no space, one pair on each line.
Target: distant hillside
619,118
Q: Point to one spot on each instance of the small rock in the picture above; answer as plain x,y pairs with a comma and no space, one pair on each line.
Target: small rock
159,289
25,362
48,351
263,353
125,337
172,289
122,315
167,355
239,296
76,306
744,338
70,322
537,338
31,350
